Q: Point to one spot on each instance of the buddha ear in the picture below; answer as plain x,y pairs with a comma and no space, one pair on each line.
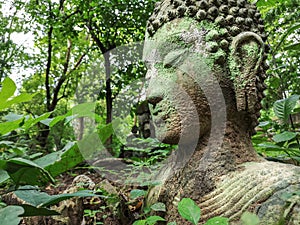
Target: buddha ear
246,56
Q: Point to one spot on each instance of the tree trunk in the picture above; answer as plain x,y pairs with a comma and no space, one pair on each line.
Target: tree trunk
108,97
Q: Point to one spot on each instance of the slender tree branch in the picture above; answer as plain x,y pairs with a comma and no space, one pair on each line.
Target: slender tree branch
62,80
49,60
61,4
68,56
79,61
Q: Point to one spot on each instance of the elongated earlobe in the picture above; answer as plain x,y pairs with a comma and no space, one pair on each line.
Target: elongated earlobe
246,56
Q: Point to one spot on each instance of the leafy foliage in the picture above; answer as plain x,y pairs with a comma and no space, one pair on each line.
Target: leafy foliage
284,107
280,139
23,171
32,196
7,92
217,220
9,215
189,210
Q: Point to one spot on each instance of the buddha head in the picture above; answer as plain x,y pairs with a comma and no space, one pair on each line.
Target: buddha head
192,44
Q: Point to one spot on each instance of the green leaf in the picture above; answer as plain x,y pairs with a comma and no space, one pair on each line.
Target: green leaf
264,3
32,121
58,198
6,94
172,223
189,210
285,136
10,215
137,193
30,210
271,146
286,34
61,161
34,197
8,89
159,207
264,123
7,127
84,110
23,171
24,97
153,219
217,220
249,219
3,176
12,117
139,222
284,107
293,47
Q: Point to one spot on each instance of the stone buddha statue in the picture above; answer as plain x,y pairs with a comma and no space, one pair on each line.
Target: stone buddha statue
205,80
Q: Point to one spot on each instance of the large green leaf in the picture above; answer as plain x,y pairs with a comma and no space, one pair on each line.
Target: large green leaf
264,3
285,136
23,97
34,197
137,193
217,220
80,110
8,89
271,146
58,198
159,206
284,107
9,126
84,110
151,220
15,121
3,176
23,171
9,215
30,210
293,47
139,222
6,94
32,121
286,34
189,210
61,161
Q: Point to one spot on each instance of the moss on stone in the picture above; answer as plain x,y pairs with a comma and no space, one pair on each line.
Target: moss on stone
252,50
212,35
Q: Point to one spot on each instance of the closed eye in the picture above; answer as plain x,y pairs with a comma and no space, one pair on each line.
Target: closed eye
174,57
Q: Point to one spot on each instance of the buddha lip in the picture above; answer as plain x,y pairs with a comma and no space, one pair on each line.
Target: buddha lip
158,117
155,112
159,122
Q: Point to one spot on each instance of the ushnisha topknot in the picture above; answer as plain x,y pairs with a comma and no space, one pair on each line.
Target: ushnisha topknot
233,16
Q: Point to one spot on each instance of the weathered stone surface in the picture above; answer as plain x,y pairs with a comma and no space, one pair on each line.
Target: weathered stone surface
205,85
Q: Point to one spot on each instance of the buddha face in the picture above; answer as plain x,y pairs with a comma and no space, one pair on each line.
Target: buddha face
180,82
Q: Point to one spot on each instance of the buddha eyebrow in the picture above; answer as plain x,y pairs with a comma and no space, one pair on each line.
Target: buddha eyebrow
174,36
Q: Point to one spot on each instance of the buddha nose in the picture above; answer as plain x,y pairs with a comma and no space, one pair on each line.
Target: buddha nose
155,90
154,95
153,100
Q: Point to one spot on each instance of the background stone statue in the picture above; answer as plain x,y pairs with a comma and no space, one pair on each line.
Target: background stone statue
206,71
